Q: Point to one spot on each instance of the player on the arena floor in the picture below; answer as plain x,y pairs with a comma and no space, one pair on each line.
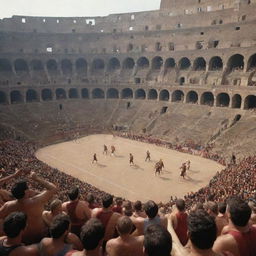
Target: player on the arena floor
113,149
105,151
188,165
183,170
159,166
161,163
94,158
131,159
148,156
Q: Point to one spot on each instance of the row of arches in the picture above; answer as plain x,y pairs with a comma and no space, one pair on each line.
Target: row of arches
81,65
192,97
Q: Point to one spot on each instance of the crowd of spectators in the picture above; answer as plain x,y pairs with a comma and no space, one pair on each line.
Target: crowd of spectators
17,160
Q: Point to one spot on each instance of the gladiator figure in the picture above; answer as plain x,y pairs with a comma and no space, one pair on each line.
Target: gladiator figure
148,156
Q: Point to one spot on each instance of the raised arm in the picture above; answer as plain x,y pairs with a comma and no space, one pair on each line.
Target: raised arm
47,194
7,178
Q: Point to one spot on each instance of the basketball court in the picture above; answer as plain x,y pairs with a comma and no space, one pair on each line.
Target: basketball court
114,175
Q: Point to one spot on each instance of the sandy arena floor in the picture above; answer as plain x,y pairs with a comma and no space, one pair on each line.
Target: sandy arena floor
113,174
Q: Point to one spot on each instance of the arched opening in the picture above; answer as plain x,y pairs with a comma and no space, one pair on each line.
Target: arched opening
222,100
252,62
236,63
112,93
16,97
199,64
37,65
157,63
21,65
113,64
236,101
127,93
177,96
250,102
143,63
98,65
164,95
3,99
60,94
184,63
170,63
52,66
5,65
46,94
192,97
73,93
207,98
85,93
31,96
66,67
140,94
81,66
128,63
215,64
98,94
182,80
152,94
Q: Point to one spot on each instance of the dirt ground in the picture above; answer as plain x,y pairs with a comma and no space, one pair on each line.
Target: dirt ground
113,174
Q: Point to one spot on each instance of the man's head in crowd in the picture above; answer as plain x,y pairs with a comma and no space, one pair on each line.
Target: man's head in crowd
137,206
124,225
151,209
238,211
60,226
211,207
90,198
202,229
14,224
157,241
92,233
55,206
107,200
19,189
180,204
73,193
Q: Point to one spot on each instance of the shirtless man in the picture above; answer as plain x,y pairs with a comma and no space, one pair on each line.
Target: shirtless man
147,156
241,236
151,210
138,212
131,159
32,206
77,210
105,151
125,244
94,160
55,209
183,170
107,217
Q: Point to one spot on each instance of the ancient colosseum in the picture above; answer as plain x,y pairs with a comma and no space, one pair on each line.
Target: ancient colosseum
185,71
